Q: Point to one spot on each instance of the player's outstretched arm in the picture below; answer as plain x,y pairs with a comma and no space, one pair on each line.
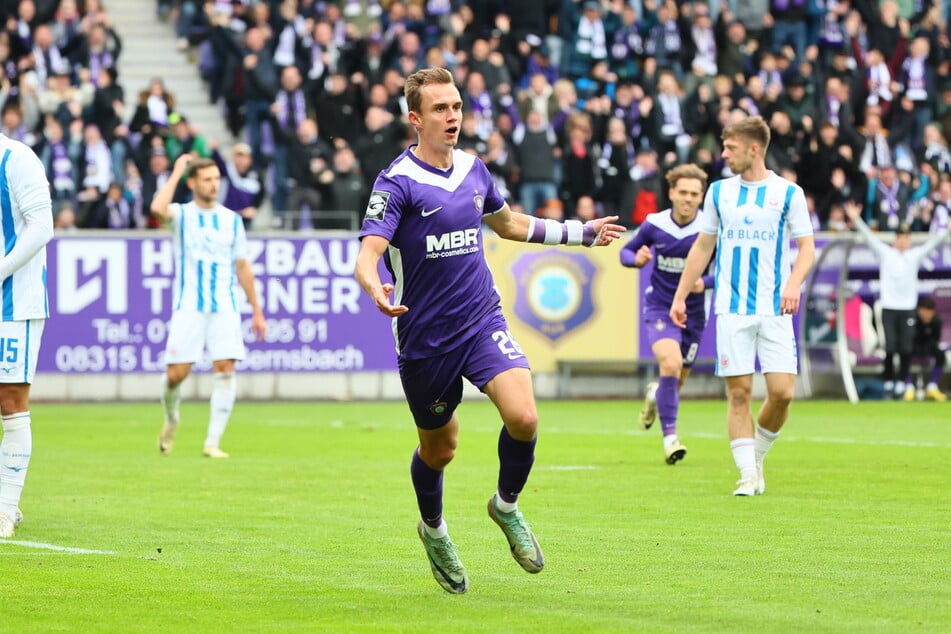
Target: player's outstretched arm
854,212
933,243
246,279
524,228
367,273
163,197
697,261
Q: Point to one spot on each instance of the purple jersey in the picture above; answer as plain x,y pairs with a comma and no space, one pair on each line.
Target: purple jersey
670,243
433,221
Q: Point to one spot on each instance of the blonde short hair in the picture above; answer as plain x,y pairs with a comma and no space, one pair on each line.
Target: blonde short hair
751,129
686,171
424,77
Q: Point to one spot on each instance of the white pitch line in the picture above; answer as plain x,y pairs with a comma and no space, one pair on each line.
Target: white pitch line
890,443
567,467
61,549
594,431
840,441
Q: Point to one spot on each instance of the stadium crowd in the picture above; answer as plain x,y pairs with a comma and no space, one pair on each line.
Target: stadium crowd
579,107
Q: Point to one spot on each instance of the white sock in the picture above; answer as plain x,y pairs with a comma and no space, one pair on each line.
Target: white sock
171,399
931,386
899,387
744,455
764,440
669,440
505,507
15,450
222,402
437,533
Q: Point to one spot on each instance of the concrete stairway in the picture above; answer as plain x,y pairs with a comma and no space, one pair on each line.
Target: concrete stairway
148,50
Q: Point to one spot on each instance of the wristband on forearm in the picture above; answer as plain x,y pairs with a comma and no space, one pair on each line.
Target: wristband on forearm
570,232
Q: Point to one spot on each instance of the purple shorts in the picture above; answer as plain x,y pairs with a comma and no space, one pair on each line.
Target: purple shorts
657,326
433,386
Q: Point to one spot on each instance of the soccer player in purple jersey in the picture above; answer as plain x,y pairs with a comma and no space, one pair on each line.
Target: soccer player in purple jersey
670,234
424,217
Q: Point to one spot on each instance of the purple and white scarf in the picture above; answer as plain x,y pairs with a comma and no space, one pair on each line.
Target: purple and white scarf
62,167
285,104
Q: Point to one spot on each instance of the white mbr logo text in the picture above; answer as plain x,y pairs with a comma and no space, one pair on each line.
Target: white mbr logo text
452,240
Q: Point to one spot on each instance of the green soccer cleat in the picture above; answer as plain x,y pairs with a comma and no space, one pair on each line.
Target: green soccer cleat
524,547
444,562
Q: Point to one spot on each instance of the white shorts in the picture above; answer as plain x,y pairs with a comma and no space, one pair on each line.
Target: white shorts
742,339
190,333
20,349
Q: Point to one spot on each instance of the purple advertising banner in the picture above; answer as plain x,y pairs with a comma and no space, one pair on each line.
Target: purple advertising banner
110,303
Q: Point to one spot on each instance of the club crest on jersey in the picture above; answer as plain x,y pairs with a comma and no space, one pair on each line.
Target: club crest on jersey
376,207
660,325
479,202
553,292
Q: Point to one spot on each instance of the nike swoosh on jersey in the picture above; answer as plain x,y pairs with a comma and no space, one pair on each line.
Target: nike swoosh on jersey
430,212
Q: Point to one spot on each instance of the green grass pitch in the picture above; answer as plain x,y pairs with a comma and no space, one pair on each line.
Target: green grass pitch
311,525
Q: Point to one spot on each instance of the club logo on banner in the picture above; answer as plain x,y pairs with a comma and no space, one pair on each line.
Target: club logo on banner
554,292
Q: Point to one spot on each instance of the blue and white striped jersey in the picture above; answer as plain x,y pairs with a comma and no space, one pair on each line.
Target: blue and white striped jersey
206,244
754,224
24,197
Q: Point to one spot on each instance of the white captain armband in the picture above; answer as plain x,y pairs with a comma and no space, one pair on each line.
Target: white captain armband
570,232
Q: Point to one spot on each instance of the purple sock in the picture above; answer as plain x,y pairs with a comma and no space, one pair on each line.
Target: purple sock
936,373
428,485
515,463
668,403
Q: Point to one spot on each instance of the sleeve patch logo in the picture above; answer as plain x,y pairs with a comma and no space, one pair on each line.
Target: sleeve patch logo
376,207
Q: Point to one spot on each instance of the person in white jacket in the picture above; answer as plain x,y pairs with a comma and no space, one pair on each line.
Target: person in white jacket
898,279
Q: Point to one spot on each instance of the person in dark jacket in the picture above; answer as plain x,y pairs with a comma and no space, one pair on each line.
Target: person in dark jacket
348,191
535,144
241,186
382,140
291,106
310,168
260,88
927,344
